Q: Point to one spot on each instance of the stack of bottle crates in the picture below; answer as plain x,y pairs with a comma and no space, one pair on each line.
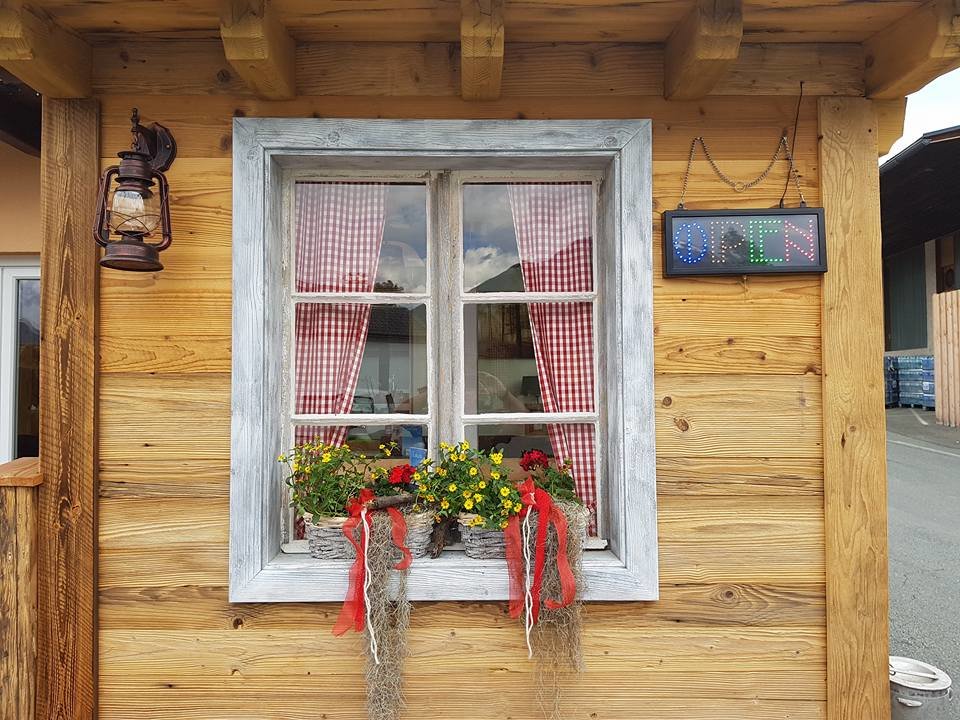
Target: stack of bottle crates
915,381
890,387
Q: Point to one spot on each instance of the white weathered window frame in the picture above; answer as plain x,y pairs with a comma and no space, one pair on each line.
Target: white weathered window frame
265,152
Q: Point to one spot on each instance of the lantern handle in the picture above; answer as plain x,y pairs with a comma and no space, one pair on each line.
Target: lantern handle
100,234
166,235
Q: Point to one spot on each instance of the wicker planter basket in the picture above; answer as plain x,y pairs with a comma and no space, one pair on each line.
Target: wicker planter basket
326,540
480,543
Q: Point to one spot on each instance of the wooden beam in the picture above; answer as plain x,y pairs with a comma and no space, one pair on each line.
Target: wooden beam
481,49
259,48
855,485
910,53
46,57
67,544
701,49
890,117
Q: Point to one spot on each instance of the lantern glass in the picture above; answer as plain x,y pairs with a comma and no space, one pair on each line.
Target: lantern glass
134,212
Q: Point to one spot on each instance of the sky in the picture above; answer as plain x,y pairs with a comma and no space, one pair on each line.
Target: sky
935,107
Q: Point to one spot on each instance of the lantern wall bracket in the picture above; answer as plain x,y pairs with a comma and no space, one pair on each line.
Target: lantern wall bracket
156,142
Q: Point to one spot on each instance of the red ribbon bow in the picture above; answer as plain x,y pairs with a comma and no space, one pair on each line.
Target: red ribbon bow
534,498
354,611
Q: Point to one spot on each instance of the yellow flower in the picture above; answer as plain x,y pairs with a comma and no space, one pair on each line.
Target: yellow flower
466,493
478,520
452,487
444,504
444,446
477,497
442,472
504,491
431,498
418,476
281,458
496,458
495,475
507,504
295,467
472,471
325,458
421,488
517,507
482,484
382,446
416,508
468,504
462,457
465,445
503,524
363,457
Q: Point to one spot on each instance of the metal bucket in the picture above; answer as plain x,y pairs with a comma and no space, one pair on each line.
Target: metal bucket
916,689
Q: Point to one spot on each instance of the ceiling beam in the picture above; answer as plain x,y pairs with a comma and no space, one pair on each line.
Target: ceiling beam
481,49
19,114
914,50
51,60
259,48
701,49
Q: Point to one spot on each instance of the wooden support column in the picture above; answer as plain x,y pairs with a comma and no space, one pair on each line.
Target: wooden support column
702,48
67,563
854,442
259,48
910,53
481,49
51,60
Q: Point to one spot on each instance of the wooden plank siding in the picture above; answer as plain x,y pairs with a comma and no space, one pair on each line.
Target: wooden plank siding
740,630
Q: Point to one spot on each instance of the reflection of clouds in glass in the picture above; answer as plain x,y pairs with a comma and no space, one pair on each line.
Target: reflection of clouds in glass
404,250
489,239
29,309
482,263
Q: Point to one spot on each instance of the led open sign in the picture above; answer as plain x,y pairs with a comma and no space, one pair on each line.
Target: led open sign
743,242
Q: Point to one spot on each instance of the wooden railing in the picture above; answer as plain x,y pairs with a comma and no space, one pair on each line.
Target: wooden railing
18,587
946,356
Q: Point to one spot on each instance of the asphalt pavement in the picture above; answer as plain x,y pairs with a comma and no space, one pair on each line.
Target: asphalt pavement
923,472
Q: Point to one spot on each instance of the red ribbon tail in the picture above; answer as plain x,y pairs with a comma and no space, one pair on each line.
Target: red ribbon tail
514,544
568,584
544,506
399,534
353,612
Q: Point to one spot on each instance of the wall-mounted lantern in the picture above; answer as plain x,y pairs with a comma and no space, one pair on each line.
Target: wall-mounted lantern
133,212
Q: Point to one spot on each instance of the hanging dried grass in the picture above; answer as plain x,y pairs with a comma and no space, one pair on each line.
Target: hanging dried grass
388,620
557,637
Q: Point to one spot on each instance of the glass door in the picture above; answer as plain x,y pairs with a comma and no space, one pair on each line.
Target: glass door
19,358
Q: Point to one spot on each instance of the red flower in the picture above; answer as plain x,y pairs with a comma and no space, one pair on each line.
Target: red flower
533,459
402,474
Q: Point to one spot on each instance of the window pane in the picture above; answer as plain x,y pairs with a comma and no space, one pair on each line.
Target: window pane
28,368
367,438
501,352
357,358
361,237
535,237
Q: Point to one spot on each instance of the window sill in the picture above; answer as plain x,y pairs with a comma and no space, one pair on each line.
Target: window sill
452,576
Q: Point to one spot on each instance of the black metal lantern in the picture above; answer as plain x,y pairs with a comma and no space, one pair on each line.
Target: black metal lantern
134,212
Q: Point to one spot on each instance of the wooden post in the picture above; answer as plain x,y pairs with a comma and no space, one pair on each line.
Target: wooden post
946,356
66,630
18,587
854,442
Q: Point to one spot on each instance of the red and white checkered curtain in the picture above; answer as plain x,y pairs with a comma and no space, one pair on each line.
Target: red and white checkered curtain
339,232
554,227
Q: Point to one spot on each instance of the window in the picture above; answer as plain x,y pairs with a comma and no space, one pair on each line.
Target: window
19,359
426,281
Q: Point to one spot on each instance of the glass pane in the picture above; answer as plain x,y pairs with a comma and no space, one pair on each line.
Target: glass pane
367,438
501,373
361,237
357,358
535,237
28,368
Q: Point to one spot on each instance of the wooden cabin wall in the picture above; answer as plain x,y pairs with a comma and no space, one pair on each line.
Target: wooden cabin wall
739,631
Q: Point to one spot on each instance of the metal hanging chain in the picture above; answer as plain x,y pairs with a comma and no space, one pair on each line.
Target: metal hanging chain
739,185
